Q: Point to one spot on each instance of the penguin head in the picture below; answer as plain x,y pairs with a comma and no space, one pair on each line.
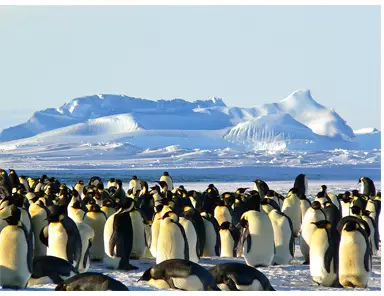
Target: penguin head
76,205
147,275
15,216
56,213
127,204
324,188
322,224
163,185
293,191
165,174
356,210
119,183
225,225
241,190
95,208
134,178
365,213
355,192
172,215
316,205
351,226
321,194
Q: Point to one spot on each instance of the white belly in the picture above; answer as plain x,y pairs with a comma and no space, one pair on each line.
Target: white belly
57,241
138,247
155,230
282,237
38,223
97,222
190,283
292,209
191,235
227,244
210,239
255,286
170,244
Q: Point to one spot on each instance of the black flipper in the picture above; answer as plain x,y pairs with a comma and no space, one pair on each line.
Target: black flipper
86,255
368,251
42,237
74,241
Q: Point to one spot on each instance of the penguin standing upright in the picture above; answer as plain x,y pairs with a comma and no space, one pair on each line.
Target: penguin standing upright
39,214
138,247
118,236
16,253
61,236
261,187
291,207
355,258
332,214
172,241
76,211
212,236
367,186
191,235
96,218
284,238
301,184
168,179
313,214
134,184
257,238
324,255
87,235
198,222
229,238
305,204
345,203
222,213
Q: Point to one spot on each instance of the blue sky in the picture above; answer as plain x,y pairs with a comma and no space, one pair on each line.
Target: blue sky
248,55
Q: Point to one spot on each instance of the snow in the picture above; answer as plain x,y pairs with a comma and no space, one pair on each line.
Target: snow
367,130
292,277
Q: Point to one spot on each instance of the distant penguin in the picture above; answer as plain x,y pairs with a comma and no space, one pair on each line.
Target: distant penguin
284,238
345,203
111,183
235,276
257,238
291,207
23,180
181,275
324,255
301,184
16,253
118,236
212,236
50,270
367,186
168,179
191,234
222,213
79,187
261,187
87,235
39,214
62,237
13,179
314,214
172,242
134,184
91,281
229,239
355,258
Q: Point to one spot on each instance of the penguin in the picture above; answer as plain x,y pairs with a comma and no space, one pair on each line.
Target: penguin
269,204
111,183
192,238
181,275
118,236
332,214
79,187
172,242
322,197
283,236
198,222
324,255
374,207
168,179
23,180
229,238
301,184
355,258
345,203
61,236
236,276
373,237
5,185
291,207
257,238
212,236
107,208
367,186
134,184
96,219
261,187
50,270
314,214
76,212
16,252
305,204
138,246
13,179
155,230
87,235
39,214
222,213
359,200
91,281
94,181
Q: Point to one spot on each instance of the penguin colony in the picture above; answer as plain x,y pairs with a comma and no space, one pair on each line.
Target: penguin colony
50,233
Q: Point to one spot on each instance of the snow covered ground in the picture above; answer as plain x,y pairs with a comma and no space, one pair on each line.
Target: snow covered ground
294,277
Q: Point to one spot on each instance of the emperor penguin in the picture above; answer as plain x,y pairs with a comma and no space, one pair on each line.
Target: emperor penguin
212,236
229,239
373,237
222,213
272,195
61,236
172,242
291,207
324,255
179,274
192,238
367,186
134,184
345,204
138,247
168,179
13,179
107,208
76,212
257,238
322,197
50,270
261,187
198,222
355,258
87,235
91,281
79,187
111,183
118,238
16,253
39,214
314,214
301,184
283,236
23,180
374,207
332,214
234,276
96,218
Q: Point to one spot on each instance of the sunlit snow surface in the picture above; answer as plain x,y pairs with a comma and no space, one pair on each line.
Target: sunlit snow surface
284,277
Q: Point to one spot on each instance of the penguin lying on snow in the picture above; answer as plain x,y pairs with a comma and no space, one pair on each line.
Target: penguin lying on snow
50,269
240,277
181,275
91,281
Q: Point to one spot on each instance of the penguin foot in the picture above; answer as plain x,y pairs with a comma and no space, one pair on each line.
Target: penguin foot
306,262
127,266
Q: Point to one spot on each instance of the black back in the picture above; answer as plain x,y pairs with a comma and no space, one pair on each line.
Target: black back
52,267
